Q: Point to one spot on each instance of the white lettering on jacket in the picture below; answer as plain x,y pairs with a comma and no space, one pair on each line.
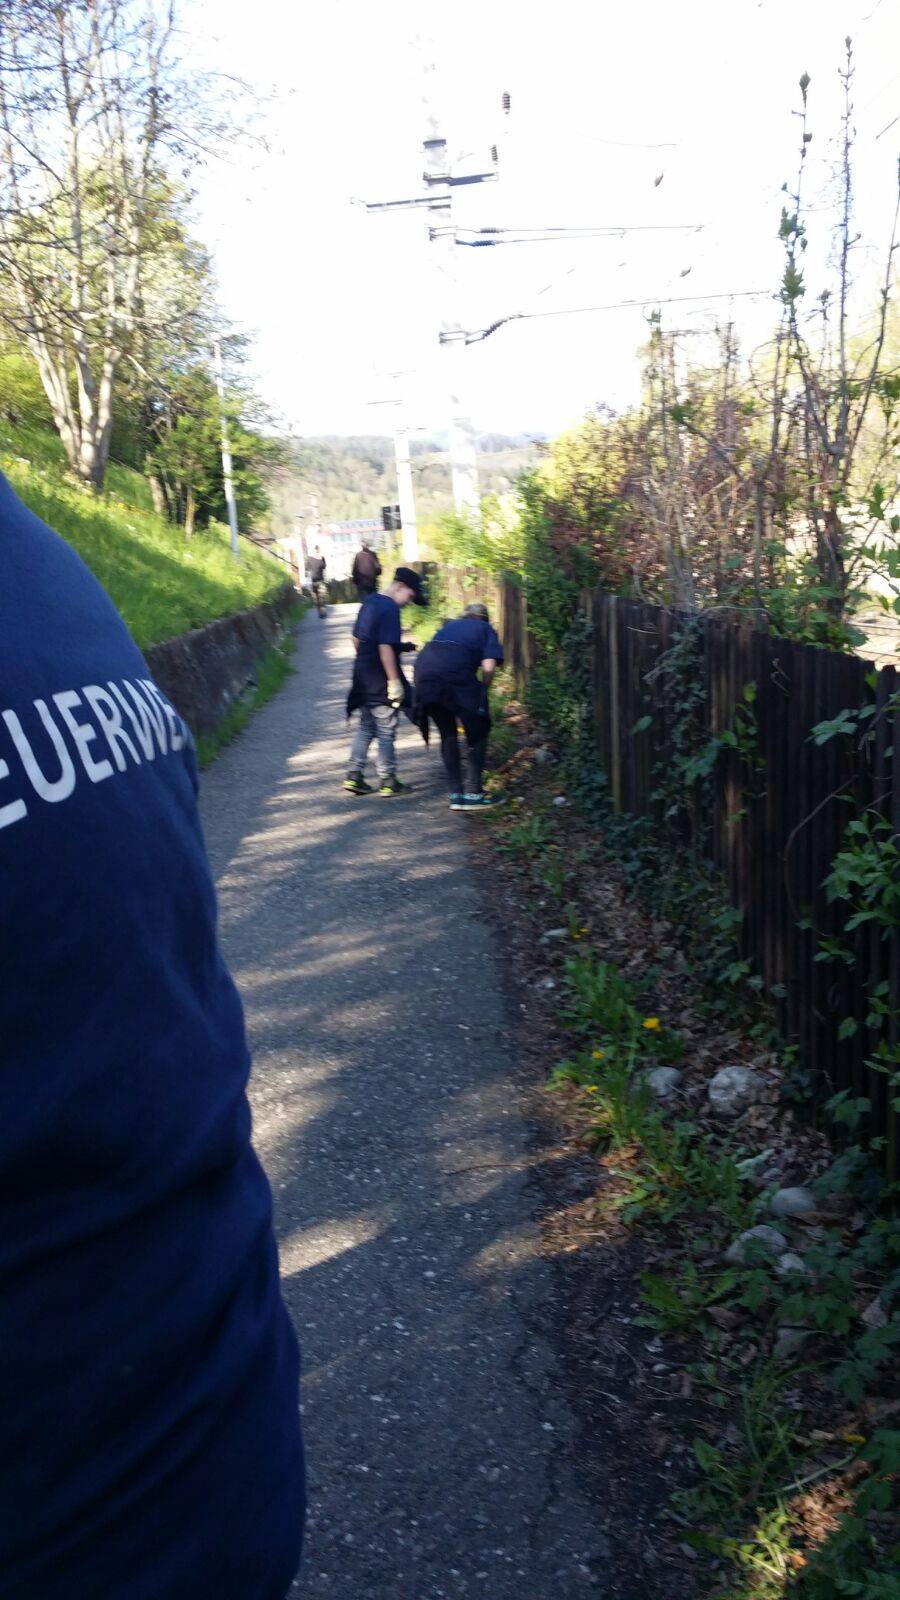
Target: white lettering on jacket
134,719
49,789
15,810
109,717
151,710
84,734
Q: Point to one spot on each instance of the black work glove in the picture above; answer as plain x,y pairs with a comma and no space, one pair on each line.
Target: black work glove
407,645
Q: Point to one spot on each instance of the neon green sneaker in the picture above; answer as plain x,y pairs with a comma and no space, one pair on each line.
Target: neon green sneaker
355,783
393,786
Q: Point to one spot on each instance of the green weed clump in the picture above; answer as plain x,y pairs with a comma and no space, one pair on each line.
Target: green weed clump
161,584
749,1502
691,1188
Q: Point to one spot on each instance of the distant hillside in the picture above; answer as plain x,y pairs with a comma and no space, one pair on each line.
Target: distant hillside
331,477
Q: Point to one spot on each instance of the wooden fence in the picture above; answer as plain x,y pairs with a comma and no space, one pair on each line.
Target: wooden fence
779,808
508,610
779,812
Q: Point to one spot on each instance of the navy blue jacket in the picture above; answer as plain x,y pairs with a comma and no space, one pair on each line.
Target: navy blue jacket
447,674
377,622
149,1435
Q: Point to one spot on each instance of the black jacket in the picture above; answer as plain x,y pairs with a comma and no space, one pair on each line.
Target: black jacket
366,570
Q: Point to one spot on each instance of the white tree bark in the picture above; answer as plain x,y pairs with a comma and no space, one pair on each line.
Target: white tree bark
80,132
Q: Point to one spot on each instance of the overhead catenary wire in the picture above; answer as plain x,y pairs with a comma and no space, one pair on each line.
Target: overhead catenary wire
617,305
596,227
623,144
482,238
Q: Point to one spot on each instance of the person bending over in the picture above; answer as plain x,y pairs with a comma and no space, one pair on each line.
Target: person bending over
449,691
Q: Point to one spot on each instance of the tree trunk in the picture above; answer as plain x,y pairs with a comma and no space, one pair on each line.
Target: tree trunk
190,512
833,543
158,495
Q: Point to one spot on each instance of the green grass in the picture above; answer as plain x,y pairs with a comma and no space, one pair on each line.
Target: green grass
162,585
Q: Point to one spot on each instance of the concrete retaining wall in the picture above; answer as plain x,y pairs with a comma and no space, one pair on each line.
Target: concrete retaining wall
203,672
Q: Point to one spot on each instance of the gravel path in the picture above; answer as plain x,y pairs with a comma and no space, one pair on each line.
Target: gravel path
388,1115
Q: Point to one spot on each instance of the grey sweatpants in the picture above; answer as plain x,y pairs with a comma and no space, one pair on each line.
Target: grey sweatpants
375,722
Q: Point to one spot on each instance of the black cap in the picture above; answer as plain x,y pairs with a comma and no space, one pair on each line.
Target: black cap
413,581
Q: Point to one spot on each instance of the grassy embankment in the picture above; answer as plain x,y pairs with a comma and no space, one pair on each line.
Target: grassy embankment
161,584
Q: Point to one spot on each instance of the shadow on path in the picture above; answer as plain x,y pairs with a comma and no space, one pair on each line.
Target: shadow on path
388,1114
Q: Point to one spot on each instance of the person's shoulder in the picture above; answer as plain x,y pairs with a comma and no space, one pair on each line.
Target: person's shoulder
474,629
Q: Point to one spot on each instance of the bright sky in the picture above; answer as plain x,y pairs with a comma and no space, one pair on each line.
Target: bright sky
604,100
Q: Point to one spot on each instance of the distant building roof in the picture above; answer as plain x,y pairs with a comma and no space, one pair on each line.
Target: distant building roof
354,525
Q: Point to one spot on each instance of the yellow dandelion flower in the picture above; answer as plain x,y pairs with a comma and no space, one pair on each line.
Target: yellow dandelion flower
598,1055
590,1088
652,1023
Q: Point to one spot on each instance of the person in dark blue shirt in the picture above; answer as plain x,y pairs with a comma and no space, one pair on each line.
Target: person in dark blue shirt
449,692
149,1432
379,690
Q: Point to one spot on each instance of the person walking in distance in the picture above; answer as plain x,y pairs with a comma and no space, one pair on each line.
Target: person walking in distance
448,691
315,571
366,570
149,1425
379,690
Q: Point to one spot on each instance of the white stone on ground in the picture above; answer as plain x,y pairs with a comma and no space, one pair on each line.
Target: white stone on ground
662,1082
797,1202
761,1240
733,1090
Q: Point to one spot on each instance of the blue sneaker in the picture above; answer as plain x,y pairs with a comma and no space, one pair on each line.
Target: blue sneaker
478,802
457,802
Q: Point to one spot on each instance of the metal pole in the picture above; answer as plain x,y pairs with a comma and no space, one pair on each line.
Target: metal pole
463,466
463,471
405,494
227,468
